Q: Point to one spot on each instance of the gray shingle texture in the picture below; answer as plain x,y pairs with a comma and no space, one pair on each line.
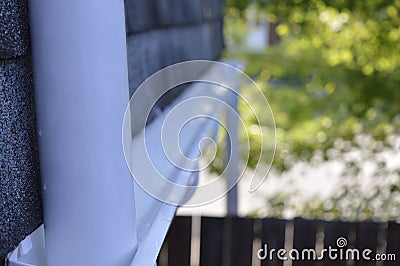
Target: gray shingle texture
14,28
20,195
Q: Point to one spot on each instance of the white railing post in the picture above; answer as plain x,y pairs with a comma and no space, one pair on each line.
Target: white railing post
80,73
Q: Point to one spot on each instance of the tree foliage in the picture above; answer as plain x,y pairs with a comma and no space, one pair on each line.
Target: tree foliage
334,77
336,73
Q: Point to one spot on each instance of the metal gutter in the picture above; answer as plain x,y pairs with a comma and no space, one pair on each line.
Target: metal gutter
84,225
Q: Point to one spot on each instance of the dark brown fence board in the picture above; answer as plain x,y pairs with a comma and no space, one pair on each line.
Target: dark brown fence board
393,243
162,259
211,241
304,237
273,235
179,241
238,241
334,230
367,237
229,241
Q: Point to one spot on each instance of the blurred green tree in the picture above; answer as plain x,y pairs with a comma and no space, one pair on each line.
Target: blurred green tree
335,76
336,73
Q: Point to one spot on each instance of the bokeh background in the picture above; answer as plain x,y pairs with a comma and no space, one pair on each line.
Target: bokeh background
331,73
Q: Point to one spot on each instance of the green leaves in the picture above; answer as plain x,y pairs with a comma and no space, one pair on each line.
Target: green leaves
332,80
338,60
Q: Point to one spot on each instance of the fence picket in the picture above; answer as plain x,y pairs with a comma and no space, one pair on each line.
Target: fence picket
211,241
179,241
393,243
238,241
304,237
333,231
367,238
162,259
273,234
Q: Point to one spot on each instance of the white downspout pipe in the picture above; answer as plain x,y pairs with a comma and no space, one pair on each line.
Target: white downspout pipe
80,73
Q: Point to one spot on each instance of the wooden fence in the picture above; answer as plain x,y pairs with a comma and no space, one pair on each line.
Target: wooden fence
234,241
